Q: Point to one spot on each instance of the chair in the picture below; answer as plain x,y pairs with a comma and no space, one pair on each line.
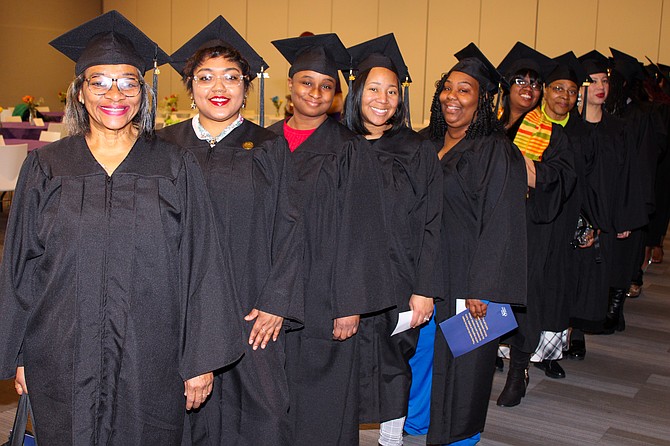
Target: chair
43,109
2,140
58,127
11,160
4,114
46,135
12,119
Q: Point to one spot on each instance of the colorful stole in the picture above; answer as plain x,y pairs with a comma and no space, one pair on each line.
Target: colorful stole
534,134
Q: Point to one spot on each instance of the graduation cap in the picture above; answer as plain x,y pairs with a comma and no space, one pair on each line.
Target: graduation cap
383,52
380,52
323,53
109,39
218,33
221,33
523,57
472,62
655,71
568,68
628,66
594,62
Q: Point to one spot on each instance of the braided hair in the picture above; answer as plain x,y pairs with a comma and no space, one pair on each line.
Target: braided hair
484,121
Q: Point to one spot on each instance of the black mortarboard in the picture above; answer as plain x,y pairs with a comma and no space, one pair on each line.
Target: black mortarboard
218,33
323,53
628,66
594,62
109,39
655,71
568,68
523,57
380,52
472,62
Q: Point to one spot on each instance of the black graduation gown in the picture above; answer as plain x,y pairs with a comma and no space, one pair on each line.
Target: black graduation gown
658,224
245,174
412,181
484,257
346,272
117,289
550,225
641,133
611,198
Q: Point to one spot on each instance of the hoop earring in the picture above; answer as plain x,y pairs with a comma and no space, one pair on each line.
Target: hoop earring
192,103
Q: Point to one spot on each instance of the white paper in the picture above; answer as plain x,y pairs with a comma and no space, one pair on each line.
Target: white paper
404,320
460,305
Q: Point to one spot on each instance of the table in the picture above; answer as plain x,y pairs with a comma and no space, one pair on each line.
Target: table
21,130
53,116
32,143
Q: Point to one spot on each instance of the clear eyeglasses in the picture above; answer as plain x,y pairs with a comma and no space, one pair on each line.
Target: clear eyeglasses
523,82
560,90
208,80
100,85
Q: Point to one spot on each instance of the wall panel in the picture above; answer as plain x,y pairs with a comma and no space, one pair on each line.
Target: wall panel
631,27
450,28
267,20
502,26
409,26
566,25
354,28
664,47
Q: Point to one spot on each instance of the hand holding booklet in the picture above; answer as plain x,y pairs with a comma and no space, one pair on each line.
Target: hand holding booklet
465,333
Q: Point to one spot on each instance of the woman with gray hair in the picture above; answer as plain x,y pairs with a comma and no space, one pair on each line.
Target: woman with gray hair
115,298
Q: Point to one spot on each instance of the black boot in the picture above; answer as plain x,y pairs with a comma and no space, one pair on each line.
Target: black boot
517,379
614,319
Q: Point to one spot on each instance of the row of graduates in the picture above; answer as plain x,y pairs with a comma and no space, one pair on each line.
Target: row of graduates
593,131
224,268
325,232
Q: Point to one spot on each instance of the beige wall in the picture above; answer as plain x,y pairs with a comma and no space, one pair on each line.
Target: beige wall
26,28
428,31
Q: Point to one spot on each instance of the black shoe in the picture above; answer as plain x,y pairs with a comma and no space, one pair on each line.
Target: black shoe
551,368
577,350
515,388
500,365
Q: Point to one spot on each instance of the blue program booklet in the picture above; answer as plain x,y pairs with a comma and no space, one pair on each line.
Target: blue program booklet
465,333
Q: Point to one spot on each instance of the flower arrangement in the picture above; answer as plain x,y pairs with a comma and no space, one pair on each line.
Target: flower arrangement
171,103
32,104
277,103
62,97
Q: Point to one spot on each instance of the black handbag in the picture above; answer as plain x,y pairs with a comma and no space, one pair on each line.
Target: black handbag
583,232
19,436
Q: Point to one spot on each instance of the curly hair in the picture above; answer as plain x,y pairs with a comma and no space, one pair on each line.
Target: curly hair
484,122
353,117
200,56
77,119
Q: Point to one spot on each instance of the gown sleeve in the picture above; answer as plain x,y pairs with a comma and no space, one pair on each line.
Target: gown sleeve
211,333
497,271
429,281
22,251
555,179
281,293
362,270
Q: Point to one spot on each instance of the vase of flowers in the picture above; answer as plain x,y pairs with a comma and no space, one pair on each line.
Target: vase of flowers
171,104
277,103
62,98
32,106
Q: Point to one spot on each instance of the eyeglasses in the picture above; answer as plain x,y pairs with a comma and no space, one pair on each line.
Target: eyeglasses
100,85
209,80
560,90
523,82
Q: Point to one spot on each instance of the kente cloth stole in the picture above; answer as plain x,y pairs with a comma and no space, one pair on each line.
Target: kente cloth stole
534,134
